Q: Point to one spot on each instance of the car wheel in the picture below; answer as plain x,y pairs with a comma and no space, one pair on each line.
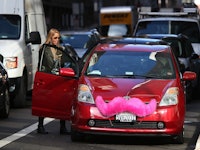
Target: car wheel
76,136
179,139
5,110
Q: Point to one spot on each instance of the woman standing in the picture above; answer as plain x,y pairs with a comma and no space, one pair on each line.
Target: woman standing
51,57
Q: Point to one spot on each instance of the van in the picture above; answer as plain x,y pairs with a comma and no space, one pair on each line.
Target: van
22,30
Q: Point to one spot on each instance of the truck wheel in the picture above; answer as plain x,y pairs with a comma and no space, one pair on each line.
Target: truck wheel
20,97
5,110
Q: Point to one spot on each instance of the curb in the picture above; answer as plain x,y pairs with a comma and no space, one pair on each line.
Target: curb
197,147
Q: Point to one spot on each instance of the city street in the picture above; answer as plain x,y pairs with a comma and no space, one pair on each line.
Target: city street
18,132
78,57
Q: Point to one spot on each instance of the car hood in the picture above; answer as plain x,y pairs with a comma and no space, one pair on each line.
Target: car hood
145,89
10,47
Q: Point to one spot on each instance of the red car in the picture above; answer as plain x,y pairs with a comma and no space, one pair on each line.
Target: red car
121,88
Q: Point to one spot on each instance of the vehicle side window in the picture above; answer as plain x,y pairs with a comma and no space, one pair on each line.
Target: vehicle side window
50,63
190,29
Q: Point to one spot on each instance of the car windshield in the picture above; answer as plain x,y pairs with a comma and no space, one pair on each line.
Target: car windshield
190,29
131,65
10,26
75,40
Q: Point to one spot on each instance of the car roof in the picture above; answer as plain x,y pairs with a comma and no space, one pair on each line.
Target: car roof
131,47
133,44
138,40
163,36
159,35
168,19
75,32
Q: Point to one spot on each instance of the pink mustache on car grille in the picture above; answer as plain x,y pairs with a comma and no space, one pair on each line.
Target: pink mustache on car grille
119,105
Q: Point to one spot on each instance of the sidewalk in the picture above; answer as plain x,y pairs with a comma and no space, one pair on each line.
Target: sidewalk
198,144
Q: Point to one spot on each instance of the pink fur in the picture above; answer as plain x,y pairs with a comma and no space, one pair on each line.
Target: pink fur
119,105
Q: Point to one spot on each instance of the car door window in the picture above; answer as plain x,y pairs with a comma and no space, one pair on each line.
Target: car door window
50,64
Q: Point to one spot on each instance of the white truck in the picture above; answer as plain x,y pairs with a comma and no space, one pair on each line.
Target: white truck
168,22
22,30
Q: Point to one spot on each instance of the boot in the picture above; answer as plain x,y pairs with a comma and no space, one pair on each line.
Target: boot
63,129
41,128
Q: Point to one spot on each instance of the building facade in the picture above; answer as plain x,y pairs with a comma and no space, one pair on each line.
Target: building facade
80,14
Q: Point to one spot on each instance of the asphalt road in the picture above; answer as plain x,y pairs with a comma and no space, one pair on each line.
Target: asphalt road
18,132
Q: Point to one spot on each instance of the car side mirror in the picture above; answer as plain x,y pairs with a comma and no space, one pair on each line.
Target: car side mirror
188,76
35,38
67,72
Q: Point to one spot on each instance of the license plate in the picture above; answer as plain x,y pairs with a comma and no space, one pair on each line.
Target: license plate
125,117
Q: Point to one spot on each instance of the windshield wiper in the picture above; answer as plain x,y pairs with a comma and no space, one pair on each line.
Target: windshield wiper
134,76
122,76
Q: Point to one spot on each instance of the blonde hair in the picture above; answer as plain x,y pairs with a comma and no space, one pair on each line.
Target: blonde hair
51,33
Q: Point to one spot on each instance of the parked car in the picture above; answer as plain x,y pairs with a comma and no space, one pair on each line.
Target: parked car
79,40
4,91
188,59
117,91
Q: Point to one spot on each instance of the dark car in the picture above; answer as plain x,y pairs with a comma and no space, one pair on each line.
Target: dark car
4,92
81,41
120,90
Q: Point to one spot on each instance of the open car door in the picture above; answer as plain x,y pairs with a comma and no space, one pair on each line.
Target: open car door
55,88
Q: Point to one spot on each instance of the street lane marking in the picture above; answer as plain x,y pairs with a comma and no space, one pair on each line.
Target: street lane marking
26,131
22,133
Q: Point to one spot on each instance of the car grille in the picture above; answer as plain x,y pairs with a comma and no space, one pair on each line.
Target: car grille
133,125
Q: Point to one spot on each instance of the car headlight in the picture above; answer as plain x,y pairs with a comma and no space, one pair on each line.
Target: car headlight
84,94
11,62
170,97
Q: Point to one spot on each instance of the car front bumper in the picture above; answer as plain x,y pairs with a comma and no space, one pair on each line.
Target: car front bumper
164,121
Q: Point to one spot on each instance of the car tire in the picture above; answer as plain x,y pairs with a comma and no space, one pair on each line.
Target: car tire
20,97
179,139
5,110
76,136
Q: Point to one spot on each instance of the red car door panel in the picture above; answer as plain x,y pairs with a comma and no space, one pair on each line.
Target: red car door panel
53,95
54,84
